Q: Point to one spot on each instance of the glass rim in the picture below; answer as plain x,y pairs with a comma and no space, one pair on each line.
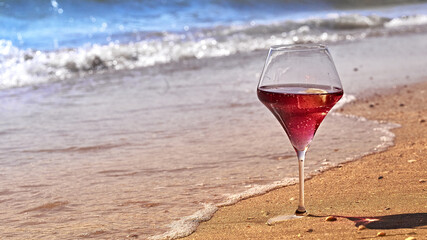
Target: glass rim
299,47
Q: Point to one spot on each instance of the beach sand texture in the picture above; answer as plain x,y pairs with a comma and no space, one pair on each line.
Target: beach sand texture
384,192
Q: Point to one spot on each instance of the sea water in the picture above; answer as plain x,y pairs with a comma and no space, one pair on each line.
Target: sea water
44,41
145,129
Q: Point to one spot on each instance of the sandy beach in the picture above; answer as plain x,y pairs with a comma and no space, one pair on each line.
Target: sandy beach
124,120
382,193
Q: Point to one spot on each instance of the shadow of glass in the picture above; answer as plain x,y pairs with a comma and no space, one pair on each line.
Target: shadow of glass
407,220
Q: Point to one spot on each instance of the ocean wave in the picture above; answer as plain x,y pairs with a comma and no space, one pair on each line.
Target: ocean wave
407,21
20,67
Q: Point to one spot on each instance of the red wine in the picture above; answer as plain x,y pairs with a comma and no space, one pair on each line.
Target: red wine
300,108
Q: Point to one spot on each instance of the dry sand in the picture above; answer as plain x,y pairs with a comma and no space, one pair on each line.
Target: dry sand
389,188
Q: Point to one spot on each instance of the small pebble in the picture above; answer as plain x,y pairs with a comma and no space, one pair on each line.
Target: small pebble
410,238
250,218
412,160
371,105
355,69
132,236
422,180
330,218
381,234
310,230
299,235
401,105
380,177
422,120
291,199
387,209
361,227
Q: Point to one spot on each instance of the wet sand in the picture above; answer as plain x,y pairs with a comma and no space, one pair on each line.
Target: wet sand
384,192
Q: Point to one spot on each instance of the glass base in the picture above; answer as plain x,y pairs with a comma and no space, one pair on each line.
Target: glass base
300,211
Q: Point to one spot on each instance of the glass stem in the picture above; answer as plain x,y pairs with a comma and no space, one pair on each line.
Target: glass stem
301,158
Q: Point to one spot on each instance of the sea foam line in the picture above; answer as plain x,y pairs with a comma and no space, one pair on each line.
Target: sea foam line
20,67
187,225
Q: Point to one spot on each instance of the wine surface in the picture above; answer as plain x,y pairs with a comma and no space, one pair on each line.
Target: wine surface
300,108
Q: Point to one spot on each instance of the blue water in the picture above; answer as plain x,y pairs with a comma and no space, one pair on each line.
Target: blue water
54,24
47,41
49,25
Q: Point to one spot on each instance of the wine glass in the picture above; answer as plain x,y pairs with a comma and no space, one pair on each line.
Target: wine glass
299,85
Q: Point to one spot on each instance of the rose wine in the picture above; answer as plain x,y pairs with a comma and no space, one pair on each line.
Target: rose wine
300,108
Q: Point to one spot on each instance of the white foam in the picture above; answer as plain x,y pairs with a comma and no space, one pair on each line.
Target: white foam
351,21
20,67
187,225
407,21
347,98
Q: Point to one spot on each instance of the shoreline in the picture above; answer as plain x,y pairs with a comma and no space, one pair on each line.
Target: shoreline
384,173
